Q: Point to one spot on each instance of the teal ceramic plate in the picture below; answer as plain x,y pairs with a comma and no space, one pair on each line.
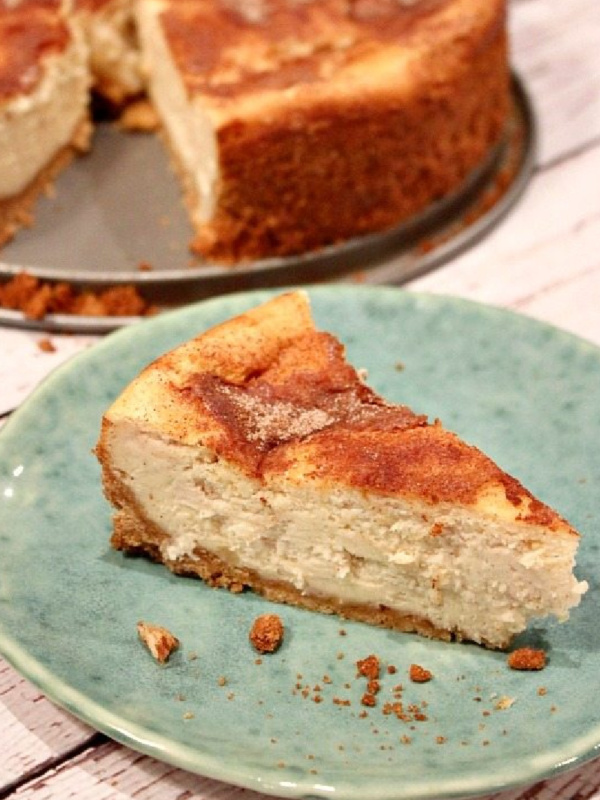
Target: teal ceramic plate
526,393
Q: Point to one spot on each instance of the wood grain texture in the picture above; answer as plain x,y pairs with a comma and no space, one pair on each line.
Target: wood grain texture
555,47
543,260
33,732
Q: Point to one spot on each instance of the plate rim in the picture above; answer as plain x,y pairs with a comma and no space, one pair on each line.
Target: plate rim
575,752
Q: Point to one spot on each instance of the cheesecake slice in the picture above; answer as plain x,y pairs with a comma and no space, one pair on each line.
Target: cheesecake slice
256,456
44,82
296,125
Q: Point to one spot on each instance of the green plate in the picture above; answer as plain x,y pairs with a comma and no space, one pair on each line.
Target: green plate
527,394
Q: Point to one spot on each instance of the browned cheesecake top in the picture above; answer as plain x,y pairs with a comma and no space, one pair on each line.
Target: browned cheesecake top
310,414
228,47
277,399
308,388
30,30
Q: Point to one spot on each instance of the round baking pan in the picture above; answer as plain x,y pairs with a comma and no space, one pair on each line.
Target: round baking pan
117,218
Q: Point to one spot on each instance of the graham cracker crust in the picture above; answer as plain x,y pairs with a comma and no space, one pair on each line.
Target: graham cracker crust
17,212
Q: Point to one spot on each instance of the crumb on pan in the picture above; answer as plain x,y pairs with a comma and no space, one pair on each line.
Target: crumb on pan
526,658
159,641
36,298
266,633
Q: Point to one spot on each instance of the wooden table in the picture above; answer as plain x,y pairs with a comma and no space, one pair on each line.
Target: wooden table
543,260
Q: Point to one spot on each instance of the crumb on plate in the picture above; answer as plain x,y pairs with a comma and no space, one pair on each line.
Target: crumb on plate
159,641
526,658
266,634
419,674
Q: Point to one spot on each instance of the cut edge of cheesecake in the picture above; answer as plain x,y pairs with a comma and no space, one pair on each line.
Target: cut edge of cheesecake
44,113
255,456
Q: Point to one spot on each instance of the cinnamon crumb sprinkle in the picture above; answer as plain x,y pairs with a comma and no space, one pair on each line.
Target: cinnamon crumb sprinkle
266,633
369,667
542,691
368,699
341,702
526,658
419,674
391,669
222,680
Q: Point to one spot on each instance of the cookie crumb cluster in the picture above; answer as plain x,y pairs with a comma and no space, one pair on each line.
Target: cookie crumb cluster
526,658
35,299
266,634
419,674
159,641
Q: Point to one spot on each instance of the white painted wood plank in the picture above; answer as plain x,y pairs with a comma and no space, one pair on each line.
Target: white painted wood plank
112,772
544,258
33,732
555,50
23,364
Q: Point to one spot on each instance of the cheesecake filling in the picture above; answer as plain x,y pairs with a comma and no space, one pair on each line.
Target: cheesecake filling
37,125
114,54
463,571
187,125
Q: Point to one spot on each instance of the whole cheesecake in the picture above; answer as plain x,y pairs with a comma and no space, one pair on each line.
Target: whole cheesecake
293,124
255,456
296,125
44,87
